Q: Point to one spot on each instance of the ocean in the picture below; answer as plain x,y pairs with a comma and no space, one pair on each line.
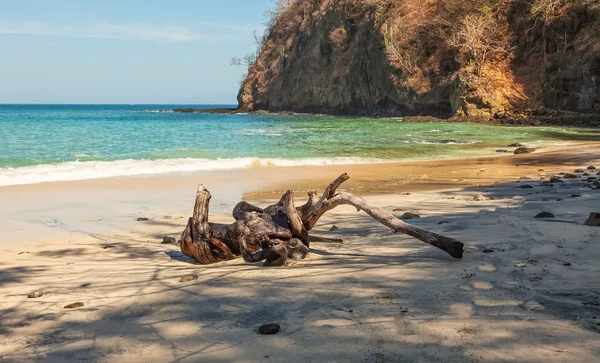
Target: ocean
41,143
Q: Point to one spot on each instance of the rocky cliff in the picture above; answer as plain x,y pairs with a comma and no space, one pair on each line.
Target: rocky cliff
469,58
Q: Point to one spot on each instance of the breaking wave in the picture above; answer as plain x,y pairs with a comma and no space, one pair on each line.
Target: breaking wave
75,170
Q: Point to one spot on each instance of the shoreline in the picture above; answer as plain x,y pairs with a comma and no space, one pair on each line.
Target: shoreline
58,210
267,163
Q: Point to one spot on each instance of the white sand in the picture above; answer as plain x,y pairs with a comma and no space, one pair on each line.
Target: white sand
378,297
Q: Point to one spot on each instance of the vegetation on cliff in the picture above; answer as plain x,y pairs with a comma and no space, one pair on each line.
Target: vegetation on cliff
474,58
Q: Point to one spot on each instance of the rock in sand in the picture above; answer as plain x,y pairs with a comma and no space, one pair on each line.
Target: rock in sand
333,228
410,215
74,305
35,294
188,278
544,215
591,167
593,220
269,329
168,240
524,150
142,219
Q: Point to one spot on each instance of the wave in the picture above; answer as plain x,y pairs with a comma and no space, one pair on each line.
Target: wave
76,170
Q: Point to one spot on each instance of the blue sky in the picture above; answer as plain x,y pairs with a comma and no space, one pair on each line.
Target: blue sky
126,51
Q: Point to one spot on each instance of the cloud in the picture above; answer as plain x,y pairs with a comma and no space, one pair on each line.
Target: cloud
106,31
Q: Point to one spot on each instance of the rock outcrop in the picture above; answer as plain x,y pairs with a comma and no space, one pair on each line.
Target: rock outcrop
474,59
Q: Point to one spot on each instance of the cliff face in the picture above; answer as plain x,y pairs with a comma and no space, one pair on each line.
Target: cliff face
465,58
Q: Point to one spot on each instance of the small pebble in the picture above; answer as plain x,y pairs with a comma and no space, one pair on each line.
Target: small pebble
333,228
141,219
591,167
168,240
526,186
269,329
109,246
443,222
575,195
544,215
566,263
35,294
74,305
188,278
488,250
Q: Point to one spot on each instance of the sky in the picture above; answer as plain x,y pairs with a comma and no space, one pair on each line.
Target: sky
125,51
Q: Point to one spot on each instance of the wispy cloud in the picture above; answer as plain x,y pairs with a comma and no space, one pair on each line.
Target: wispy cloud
106,31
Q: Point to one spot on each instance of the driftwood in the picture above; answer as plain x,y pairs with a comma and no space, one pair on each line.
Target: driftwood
281,231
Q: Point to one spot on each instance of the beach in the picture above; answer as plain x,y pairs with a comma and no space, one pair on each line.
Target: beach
526,290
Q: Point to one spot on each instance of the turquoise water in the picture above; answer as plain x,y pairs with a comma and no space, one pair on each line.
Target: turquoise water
68,142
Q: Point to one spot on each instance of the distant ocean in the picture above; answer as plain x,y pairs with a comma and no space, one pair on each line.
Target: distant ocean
40,143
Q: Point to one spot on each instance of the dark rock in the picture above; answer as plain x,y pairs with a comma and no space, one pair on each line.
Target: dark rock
515,145
334,228
547,184
488,250
269,329
577,195
74,305
167,218
141,219
570,176
540,169
502,151
35,294
524,178
524,150
579,171
593,220
350,311
109,247
591,167
559,200
168,240
544,215
526,186
566,263
443,222
410,215
555,179
188,278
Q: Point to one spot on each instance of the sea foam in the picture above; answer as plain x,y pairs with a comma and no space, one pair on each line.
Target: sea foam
75,170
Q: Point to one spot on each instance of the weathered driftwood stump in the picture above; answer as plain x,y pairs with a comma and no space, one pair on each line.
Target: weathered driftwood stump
281,231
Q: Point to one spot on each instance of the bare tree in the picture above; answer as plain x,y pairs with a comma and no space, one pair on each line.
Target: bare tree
480,37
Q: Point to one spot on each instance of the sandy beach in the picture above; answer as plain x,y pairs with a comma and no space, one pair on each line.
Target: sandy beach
527,289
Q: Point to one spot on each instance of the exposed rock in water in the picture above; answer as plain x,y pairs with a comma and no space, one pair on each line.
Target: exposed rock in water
204,110
593,220
359,57
410,215
526,186
524,150
334,228
544,215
